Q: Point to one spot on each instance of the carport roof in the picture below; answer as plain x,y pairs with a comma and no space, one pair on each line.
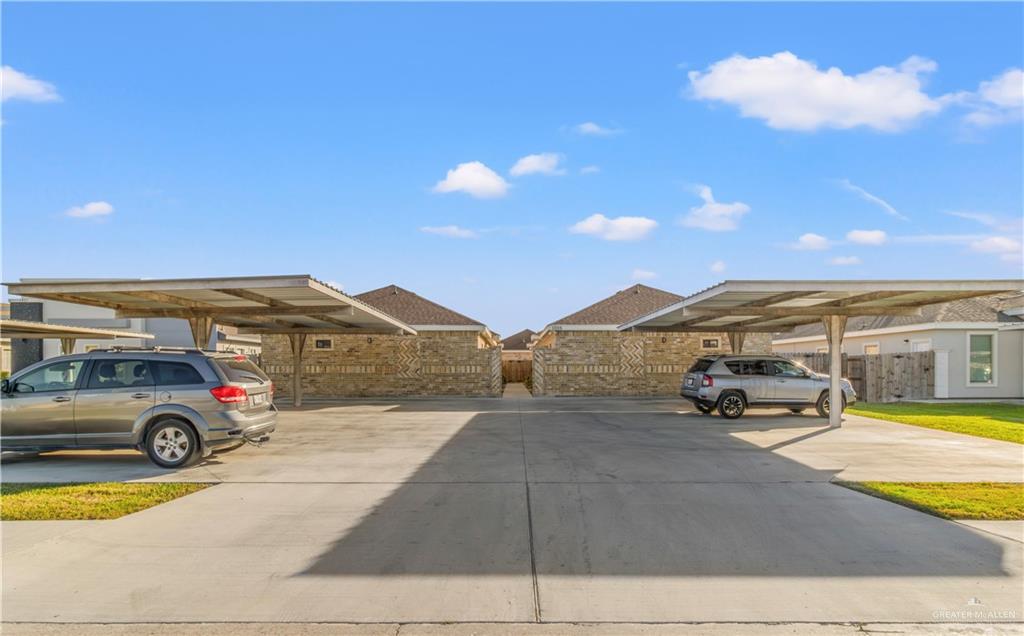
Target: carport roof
780,305
254,304
32,330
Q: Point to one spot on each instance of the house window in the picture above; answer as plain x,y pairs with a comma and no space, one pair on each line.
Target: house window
872,349
709,343
981,358
323,344
921,345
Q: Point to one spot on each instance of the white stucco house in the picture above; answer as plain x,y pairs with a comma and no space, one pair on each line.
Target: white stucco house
978,344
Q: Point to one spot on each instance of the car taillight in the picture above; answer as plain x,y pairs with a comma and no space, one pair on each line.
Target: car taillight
707,380
271,389
229,394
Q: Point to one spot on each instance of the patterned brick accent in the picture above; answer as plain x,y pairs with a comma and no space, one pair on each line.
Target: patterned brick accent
431,363
596,363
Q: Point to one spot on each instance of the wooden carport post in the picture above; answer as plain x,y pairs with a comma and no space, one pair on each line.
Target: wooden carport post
67,346
297,341
736,339
201,326
835,327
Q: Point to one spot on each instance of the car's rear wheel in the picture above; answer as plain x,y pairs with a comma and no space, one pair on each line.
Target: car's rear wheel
704,408
172,444
731,405
822,407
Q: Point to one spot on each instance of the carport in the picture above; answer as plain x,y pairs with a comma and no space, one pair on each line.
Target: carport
67,334
739,307
296,305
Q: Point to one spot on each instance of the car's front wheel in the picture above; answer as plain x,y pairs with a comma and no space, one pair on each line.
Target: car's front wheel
172,444
731,405
822,407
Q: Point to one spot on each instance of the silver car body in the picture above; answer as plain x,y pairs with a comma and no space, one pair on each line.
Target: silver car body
763,380
110,398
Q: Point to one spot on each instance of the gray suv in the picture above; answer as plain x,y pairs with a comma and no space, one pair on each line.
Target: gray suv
174,405
732,384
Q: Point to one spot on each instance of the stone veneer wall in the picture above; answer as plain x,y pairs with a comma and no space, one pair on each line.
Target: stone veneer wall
431,363
625,363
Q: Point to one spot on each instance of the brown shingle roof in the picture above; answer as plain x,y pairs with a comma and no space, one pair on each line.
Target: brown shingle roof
518,341
632,302
413,309
982,309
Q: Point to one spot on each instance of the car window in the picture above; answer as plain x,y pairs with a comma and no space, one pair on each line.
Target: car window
59,376
175,373
787,369
115,374
240,369
701,365
748,367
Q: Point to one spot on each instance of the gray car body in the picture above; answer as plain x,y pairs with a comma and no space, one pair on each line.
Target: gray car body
759,391
112,418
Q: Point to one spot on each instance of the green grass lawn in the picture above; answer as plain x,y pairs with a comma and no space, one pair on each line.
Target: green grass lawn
987,419
37,502
950,500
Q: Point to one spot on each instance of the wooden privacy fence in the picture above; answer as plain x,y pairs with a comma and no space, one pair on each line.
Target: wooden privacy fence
886,377
516,370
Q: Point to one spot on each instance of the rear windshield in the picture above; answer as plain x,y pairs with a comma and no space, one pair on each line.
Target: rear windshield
701,365
240,369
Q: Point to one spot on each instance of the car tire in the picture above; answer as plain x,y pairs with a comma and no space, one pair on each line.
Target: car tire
706,409
172,444
796,411
731,405
823,403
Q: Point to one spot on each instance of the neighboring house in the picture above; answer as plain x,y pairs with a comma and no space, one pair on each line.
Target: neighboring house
451,354
978,343
169,332
584,353
517,346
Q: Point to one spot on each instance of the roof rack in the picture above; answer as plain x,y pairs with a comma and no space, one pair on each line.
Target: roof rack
156,349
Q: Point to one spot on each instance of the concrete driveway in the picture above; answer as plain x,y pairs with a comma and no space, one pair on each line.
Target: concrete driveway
526,510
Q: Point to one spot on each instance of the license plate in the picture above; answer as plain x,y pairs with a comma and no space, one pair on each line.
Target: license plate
259,398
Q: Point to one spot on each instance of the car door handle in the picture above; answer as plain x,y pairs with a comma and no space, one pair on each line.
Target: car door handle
140,396
61,398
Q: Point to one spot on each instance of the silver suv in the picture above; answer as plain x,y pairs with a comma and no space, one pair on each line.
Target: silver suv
732,384
174,405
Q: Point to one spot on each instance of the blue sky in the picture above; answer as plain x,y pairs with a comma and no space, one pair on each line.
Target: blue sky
466,151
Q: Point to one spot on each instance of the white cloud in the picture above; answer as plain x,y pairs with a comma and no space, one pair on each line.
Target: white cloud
18,85
591,129
811,242
475,179
715,216
451,231
590,169
871,198
867,237
789,93
717,267
997,245
845,260
543,163
622,228
90,210
643,274
998,100
979,217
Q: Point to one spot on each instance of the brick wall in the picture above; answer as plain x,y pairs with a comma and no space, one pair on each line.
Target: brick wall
431,363
625,363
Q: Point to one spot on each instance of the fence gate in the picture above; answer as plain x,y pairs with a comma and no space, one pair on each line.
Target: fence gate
886,377
516,370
